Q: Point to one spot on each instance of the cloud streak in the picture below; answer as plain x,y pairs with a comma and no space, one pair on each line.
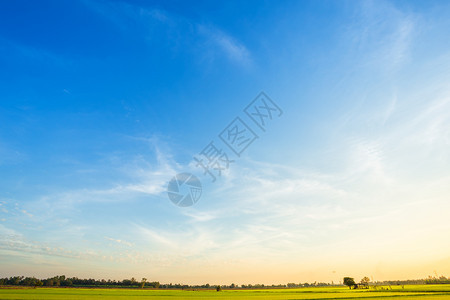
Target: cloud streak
182,32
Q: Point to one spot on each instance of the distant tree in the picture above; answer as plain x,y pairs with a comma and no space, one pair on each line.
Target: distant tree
48,282
218,288
154,284
133,281
126,282
15,280
232,286
143,282
365,280
349,281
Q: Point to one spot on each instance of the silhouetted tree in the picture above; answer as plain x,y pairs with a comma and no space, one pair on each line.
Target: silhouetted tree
143,282
365,280
348,281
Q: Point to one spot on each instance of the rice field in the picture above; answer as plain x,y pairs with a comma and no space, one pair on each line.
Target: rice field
412,292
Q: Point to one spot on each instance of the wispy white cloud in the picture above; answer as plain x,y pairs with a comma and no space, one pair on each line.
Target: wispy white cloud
13,241
219,41
27,213
122,242
201,216
381,35
209,40
155,237
390,109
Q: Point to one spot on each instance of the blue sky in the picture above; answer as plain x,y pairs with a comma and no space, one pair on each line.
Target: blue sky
103,102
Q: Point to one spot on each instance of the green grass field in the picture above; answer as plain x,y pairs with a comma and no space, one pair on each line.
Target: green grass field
412,292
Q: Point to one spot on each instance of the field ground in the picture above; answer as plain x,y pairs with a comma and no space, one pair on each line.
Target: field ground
410,292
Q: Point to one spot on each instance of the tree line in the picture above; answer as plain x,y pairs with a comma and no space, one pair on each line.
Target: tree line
64,281
437,280
350,282
75,281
